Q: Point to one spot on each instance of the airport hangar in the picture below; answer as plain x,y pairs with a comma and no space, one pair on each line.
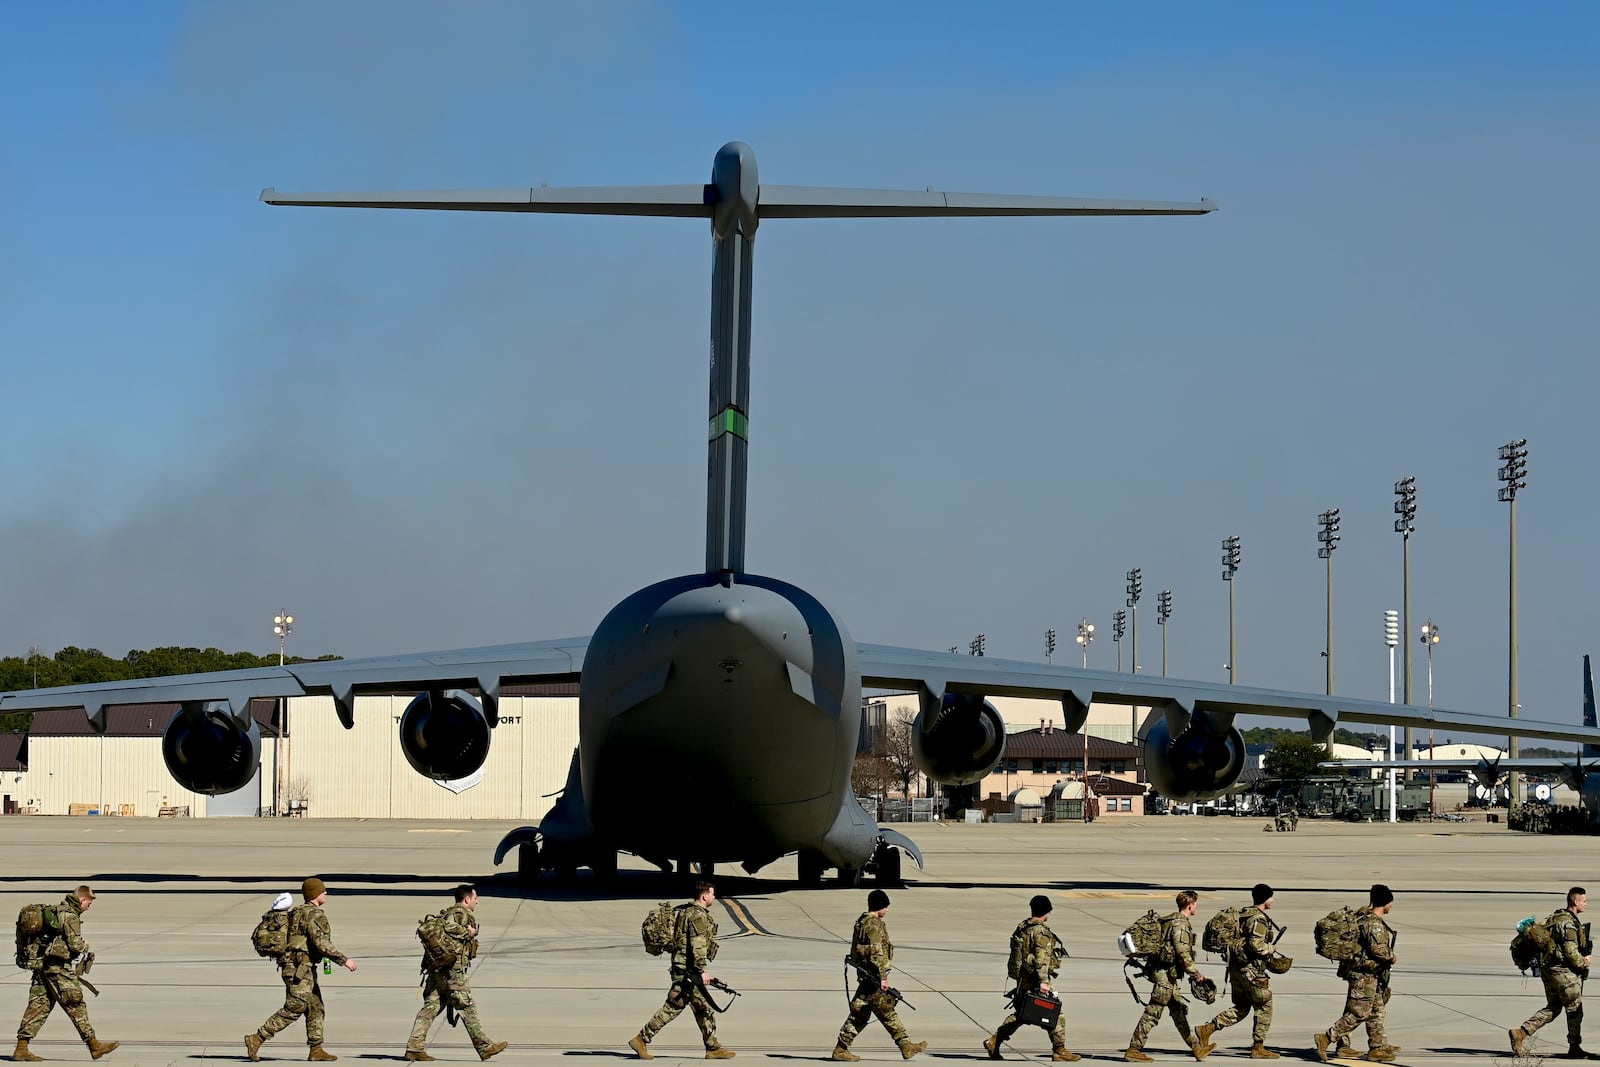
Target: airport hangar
312,766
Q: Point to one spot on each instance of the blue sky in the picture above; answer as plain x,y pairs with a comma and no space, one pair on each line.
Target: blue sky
427,431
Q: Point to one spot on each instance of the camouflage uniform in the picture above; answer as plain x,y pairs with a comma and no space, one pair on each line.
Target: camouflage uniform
1042,953
1249,978
694,947
871,948
310,940
1173,964
54,982
448,985
1563,972
1368,978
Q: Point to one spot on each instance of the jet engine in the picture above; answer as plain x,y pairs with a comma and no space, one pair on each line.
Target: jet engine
1199,763
207,752
960,742
445,735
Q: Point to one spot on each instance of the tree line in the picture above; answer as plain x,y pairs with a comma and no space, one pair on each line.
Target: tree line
86,666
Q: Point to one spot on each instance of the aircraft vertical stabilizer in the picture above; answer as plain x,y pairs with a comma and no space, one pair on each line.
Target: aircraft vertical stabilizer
1589,749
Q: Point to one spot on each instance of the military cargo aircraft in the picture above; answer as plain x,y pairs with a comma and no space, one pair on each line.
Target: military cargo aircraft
735,694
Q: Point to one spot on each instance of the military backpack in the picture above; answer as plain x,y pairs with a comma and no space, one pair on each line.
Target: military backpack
1338,935
270,938
1147,936
37,926
659,931
1532,943
439,950
1224,933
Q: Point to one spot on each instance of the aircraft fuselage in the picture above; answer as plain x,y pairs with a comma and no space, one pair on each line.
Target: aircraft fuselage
718,720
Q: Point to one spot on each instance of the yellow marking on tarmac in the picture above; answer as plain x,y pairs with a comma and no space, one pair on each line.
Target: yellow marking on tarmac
741,916
1114,894
431,830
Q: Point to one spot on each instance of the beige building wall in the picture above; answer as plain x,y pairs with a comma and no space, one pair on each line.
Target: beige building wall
105,772
363,773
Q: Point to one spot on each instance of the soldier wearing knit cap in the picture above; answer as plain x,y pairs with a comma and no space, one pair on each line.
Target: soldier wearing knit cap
1038,953
1367,983
871,952
310,940
1248,978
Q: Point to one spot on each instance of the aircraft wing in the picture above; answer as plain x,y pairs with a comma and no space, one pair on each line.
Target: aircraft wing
484,669
932,673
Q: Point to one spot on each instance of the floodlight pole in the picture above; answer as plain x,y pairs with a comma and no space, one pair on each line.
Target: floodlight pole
1328,540
1119,626
1135,588
1430,637
283,626
1085,638
1406,508
1513,476
1391,637
1230,563
1164,613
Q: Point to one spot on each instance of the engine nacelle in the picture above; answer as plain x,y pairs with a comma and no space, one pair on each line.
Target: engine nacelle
1198,764
206,752
962,741
445,735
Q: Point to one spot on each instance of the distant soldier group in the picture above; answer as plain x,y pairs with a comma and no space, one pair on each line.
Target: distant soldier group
299,937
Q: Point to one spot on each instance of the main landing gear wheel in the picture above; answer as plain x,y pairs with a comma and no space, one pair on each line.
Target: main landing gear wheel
887,862
528,862
605,866
811,868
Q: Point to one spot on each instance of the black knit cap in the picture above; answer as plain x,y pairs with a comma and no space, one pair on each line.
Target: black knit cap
1040,906
877,900
1261,893
1381,895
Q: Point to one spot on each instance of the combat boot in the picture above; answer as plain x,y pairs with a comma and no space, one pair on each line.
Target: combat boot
1258,1051
417,1055
909,1048
1322,1042
490,1050
98,1048
320,1055
719,1053
1201,1051
1346,1052
1386,1047
640,1049
991,1045
1575,1052
1519,1041
252,1047
1065,1055
1380,1055
23,1055
1137,1055
1202,1034
844,1055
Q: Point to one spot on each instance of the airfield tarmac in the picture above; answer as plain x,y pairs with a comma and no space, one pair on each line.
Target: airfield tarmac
562,973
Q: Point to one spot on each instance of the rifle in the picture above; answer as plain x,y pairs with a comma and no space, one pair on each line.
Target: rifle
697,981
870,983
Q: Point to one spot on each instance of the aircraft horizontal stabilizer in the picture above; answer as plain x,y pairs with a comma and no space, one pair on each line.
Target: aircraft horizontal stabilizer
808,202
665,201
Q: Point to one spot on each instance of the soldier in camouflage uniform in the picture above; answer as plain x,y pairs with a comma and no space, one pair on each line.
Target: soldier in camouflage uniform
1248,975
694,947
1562,971
871,951
310,940
1175,961
448,985
1042,953
55,981
1368,983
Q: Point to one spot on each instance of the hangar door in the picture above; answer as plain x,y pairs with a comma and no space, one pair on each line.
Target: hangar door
241,804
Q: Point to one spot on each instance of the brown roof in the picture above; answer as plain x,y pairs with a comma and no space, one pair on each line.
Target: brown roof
13,752
136,720
1059,744
1107,786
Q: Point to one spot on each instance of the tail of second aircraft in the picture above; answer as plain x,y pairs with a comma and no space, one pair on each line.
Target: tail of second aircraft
1590,749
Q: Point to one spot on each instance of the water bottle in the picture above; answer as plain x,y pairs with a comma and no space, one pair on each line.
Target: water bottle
327,966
